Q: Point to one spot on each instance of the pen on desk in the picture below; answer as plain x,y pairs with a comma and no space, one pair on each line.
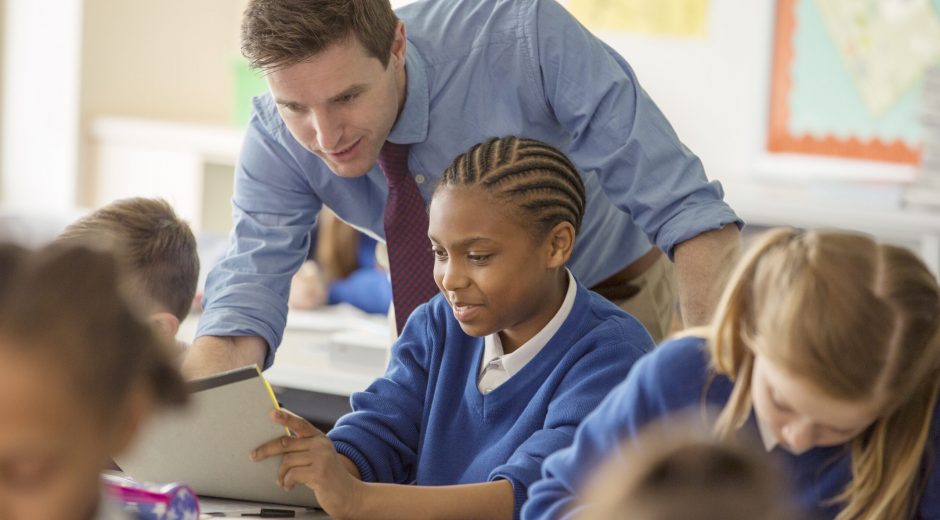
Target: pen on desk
272,513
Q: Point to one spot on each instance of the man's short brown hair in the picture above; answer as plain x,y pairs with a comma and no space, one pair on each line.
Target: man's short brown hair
157,248
280,33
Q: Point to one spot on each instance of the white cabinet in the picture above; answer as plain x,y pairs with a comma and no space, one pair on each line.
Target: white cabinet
190,165
858,207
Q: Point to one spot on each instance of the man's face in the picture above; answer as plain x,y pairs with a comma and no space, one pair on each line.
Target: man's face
341,103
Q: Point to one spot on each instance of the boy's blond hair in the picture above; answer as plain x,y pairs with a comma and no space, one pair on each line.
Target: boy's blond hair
157,248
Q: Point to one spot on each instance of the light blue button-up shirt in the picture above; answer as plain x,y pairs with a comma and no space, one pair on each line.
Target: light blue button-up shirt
476,69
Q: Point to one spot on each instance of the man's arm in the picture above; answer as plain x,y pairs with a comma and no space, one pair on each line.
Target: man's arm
703,264
212,354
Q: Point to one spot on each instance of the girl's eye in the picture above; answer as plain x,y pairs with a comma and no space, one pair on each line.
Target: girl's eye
439,254
478,258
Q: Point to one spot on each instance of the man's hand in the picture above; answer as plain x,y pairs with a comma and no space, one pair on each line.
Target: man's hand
703,264
211,354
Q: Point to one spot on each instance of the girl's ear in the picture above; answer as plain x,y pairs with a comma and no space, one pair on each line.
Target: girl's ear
560,244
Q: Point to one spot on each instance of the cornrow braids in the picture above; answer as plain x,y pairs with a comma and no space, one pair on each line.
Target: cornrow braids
535,176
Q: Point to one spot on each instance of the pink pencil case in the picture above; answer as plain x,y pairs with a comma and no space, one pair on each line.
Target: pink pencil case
153,501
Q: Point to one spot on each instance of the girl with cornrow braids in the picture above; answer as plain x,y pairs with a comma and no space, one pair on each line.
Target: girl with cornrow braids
494,373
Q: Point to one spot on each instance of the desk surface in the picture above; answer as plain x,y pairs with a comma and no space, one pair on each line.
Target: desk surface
336,350
219,508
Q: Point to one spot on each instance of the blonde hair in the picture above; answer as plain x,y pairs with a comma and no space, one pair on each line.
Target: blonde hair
65,305
857,319
674,470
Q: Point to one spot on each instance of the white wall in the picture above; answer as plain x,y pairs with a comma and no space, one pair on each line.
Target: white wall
40,105
714,90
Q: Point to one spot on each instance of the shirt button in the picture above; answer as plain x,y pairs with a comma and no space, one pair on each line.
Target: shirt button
419,178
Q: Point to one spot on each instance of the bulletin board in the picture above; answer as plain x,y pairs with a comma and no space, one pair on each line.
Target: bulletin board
847,76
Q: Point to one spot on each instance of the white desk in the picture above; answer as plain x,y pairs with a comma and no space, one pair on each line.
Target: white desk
219,508
336,350
867,208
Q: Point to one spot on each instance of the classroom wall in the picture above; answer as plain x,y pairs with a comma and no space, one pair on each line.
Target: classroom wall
165,60
2,55
715,89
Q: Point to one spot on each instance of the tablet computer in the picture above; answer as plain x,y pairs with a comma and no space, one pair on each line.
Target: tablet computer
206,444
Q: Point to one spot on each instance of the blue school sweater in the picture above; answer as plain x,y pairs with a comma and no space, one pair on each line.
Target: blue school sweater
675,377
426,422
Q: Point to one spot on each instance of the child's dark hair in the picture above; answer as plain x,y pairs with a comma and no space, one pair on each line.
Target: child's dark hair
158,247
536,177
65,305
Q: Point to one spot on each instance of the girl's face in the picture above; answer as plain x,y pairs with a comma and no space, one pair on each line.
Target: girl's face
51,448
792,412
496,276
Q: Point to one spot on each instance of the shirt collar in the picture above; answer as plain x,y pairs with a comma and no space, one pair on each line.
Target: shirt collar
514,362
412,124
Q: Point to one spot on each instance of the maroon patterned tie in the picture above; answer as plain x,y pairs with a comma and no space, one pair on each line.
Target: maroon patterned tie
406,231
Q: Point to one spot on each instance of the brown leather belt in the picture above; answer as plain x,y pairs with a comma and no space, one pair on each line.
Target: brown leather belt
618,286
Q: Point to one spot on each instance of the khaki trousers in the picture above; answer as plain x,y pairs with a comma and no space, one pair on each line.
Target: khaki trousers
654,305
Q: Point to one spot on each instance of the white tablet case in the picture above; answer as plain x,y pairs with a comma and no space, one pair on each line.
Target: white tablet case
206,445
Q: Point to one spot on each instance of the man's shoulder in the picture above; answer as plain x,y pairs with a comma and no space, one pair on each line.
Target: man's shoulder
441,28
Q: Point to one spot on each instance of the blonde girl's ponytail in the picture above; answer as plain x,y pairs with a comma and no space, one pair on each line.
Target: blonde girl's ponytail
888,461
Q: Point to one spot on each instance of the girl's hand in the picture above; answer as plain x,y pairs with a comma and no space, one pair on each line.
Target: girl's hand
310,459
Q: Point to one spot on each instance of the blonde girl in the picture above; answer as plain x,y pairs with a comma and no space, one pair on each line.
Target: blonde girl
826,346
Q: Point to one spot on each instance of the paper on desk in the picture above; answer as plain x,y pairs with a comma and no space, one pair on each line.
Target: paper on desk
342,317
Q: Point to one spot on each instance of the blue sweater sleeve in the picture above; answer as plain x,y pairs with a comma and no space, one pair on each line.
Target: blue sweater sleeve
382,432
929,506
367,288
585,385
669,378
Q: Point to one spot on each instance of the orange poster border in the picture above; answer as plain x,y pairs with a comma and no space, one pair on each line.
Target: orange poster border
779,138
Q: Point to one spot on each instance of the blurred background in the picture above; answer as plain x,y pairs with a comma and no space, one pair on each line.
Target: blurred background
810,112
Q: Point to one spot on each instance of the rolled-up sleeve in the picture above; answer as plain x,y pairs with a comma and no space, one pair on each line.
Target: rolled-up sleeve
619,134
274,208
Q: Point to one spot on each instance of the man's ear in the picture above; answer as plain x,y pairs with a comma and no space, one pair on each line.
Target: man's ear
166,323
399,44
560,241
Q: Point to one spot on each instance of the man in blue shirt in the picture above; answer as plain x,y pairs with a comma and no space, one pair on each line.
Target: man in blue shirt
345,77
